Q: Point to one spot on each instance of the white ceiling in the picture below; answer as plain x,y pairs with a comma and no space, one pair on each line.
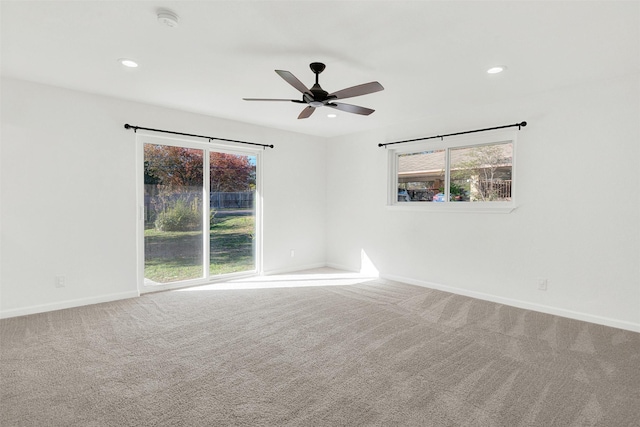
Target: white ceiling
431,56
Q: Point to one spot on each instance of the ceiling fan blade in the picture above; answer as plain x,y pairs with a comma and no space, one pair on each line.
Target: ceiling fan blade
359,90
269,99
306,112
351,108
293,81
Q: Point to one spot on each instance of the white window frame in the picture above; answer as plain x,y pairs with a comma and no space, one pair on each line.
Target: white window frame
143,138
448,144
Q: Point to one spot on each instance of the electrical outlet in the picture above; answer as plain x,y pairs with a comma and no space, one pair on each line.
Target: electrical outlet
542,284
60,281
293,253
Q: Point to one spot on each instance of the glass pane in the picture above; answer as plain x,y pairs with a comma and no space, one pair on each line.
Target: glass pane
173,180
421,176
481,173
232,223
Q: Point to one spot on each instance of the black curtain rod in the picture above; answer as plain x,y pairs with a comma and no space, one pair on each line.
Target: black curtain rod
135,129
521,124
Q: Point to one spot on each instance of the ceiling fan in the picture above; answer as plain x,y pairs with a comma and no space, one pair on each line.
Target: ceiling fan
317,97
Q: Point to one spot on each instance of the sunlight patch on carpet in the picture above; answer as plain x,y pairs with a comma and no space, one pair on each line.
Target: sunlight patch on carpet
319,277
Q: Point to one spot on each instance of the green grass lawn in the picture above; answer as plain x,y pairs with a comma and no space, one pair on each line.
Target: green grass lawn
175,255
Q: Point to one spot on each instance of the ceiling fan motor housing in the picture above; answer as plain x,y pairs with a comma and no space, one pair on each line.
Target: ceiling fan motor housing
319,95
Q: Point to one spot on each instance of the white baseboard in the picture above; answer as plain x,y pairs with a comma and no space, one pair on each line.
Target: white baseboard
66,304
293,269
606,321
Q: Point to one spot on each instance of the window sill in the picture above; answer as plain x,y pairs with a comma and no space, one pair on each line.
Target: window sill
458,207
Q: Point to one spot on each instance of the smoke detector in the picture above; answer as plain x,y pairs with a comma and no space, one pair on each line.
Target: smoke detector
168,18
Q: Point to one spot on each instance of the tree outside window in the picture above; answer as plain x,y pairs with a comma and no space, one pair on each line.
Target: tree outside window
481,173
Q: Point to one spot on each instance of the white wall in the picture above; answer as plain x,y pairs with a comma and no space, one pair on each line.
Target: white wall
577,224
69,203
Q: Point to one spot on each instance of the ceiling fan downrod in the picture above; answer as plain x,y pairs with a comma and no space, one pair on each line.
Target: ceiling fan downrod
319,94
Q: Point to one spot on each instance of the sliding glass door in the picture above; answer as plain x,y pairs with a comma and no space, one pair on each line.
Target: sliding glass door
199,212
173,229
232,219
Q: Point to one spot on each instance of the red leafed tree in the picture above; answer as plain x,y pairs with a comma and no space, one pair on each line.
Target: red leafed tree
178,168
230,173
175,168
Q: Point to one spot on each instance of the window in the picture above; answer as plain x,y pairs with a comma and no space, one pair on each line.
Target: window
471,174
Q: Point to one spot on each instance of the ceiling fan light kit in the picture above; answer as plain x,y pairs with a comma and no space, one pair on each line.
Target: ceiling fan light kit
317,97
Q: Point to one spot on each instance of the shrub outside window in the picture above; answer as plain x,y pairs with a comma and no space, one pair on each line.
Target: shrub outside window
477,173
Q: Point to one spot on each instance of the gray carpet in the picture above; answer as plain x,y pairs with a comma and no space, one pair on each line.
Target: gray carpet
378,353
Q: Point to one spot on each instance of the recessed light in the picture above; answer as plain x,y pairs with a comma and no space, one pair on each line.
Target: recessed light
497,69
128,62
332,116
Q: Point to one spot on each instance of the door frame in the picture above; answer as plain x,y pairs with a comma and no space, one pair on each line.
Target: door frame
143,138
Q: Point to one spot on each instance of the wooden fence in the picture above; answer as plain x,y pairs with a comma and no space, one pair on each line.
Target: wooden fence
237,200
